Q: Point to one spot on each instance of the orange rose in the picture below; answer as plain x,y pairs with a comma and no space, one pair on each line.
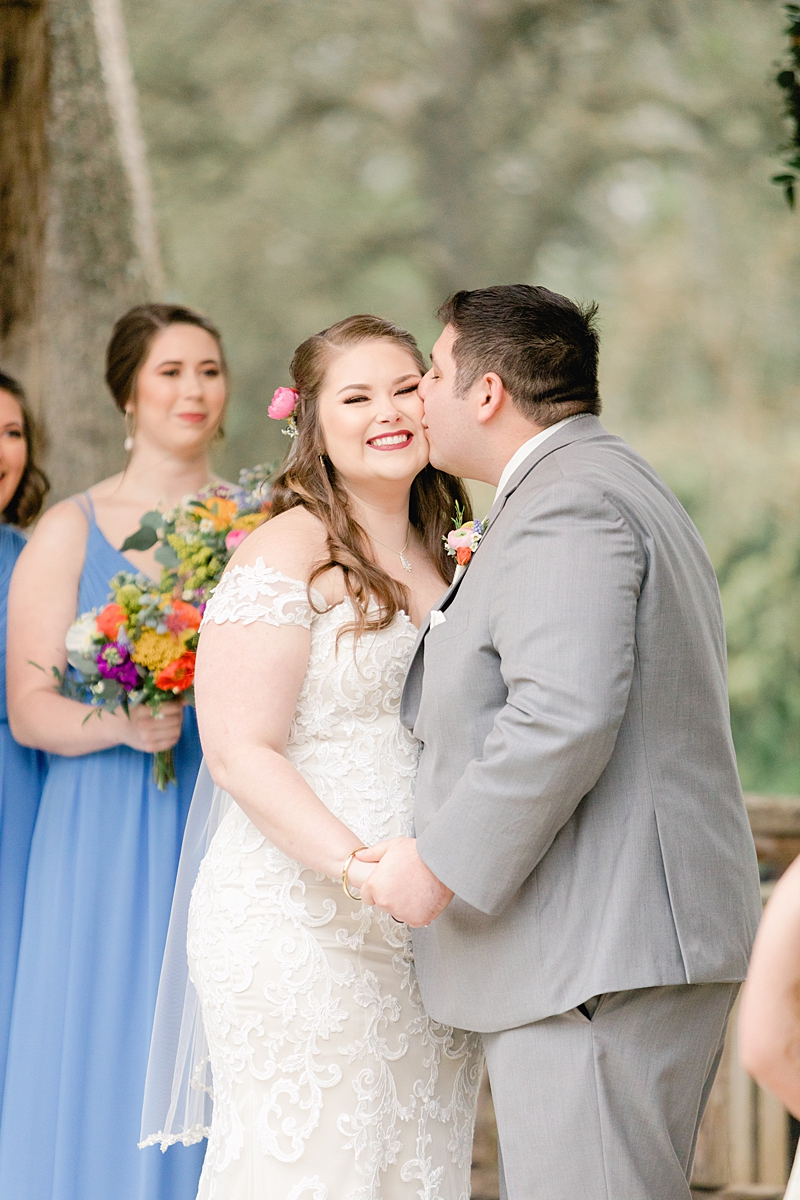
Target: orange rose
183,616
178,676
463,555
110,620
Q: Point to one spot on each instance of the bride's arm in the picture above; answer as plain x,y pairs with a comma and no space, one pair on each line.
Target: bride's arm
247,684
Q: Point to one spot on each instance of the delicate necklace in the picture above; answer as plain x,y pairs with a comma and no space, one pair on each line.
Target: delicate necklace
402,553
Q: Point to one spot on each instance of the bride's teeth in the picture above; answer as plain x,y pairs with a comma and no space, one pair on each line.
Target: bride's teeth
393,440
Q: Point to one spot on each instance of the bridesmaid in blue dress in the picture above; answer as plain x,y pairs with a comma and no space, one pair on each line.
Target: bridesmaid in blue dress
23,487
106,845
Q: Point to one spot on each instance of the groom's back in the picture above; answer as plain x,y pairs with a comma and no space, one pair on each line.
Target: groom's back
649,878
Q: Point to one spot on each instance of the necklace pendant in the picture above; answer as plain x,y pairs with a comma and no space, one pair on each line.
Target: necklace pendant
406,565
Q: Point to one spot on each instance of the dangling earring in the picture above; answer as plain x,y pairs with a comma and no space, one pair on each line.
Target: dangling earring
130,429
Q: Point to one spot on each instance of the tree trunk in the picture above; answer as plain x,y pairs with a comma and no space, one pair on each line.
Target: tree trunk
86,250
23,110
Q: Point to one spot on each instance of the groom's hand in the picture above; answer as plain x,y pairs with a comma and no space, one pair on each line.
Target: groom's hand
401,884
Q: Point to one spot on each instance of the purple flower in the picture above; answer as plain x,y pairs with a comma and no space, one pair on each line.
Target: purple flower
114,662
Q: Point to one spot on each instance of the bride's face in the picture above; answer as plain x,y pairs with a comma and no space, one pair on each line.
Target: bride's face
371,416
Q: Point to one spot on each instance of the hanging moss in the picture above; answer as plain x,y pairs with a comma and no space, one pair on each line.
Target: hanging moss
788,79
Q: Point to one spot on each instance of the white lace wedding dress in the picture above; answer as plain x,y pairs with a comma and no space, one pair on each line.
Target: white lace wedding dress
330,1082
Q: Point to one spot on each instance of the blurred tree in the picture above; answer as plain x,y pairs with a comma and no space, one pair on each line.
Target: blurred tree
317,157
77,239
23,107
788,78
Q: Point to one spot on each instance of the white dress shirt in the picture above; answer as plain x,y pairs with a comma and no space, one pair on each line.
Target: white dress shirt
528,447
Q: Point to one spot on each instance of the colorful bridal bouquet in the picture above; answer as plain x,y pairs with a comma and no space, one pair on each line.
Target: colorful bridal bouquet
141,647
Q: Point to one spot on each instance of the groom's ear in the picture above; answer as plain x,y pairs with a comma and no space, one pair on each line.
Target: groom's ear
490,397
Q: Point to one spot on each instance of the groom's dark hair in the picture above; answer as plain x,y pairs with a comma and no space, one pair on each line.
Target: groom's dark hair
543,346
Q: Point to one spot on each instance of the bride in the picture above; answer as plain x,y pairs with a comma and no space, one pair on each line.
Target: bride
330,1082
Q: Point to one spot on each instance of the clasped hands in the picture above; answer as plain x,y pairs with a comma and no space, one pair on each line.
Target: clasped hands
393,877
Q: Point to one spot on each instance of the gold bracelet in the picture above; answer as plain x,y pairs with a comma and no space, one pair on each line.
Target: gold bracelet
347,862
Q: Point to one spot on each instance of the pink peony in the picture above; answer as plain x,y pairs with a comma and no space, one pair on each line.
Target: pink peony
461,537
235,537
282,404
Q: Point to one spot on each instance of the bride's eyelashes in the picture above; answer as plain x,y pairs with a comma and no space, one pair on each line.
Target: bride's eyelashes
406,391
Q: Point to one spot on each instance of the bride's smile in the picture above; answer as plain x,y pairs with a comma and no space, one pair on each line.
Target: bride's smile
392,441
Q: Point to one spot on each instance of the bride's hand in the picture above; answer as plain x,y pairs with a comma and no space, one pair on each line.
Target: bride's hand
358,873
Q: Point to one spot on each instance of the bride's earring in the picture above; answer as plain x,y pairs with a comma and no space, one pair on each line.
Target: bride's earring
130,429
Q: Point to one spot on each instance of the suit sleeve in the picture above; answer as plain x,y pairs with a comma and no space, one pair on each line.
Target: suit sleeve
563,624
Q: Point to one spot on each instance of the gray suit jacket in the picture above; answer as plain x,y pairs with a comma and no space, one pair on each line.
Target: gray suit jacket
577,787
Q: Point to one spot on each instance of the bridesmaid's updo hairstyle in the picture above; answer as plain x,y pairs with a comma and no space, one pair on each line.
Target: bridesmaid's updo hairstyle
27,501
308,478
133,336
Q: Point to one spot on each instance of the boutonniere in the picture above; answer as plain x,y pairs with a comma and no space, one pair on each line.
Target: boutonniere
462,542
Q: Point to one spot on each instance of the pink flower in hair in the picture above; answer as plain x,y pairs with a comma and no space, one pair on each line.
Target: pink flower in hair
282,404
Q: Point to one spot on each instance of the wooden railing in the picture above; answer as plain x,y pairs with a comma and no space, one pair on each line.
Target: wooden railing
747,1138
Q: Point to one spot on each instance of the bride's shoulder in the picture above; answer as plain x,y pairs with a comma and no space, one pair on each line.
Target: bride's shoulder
290,543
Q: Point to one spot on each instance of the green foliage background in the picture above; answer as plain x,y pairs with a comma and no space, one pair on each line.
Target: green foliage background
313,158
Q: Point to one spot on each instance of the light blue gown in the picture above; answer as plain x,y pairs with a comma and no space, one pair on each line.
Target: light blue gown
100,879
21,777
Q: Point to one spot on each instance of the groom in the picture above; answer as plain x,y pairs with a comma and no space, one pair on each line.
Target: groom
583,863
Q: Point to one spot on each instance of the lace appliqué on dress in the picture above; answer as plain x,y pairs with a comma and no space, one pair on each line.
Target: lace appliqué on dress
330,1080
260,593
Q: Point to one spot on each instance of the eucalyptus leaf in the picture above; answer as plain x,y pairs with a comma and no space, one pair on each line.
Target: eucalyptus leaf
112,691
86,666
152,519
143,539
167,557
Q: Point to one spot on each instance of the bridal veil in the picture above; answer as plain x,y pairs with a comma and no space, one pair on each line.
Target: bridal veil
178,1094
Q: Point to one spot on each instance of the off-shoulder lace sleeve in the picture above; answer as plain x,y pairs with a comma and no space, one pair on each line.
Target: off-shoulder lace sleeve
260,593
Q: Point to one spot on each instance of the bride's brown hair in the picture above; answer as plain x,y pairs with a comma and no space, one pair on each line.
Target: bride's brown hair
309,478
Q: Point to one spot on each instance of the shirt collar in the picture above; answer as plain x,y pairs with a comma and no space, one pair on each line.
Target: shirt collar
528,447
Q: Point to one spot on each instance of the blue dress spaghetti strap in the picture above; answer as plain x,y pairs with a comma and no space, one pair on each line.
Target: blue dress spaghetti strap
102,869
21,777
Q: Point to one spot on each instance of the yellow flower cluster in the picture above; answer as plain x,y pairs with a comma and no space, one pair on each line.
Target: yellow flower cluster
128,597
250,521
198,563
157,650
